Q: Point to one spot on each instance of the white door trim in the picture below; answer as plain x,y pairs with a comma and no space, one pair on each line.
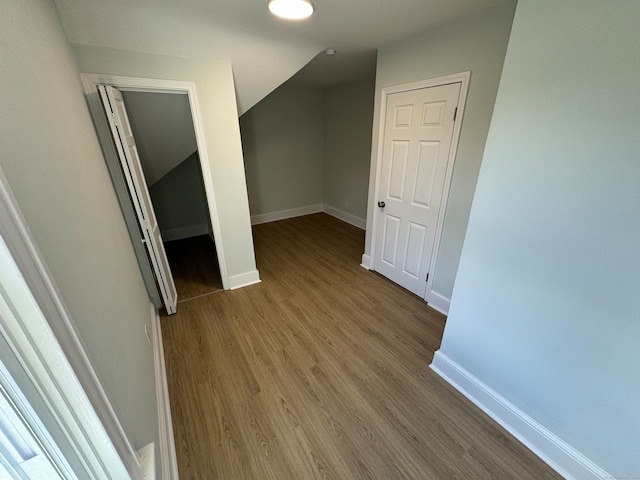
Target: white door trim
462,78
90,82
42,335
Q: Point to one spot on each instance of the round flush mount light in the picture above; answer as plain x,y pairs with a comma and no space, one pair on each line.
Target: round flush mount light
291,9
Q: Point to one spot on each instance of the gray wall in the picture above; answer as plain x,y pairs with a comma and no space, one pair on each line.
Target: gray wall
545,310
179,201
54,165
283,150
477,43
348,117
308,146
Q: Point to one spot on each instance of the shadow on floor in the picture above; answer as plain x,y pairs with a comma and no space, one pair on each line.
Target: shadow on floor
194,265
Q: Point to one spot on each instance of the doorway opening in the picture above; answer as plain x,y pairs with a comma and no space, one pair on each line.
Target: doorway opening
419,128
165,138
190,160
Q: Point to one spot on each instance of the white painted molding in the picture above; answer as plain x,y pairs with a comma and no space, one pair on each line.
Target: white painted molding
43,336
147,456
185,232
554,451
366,261
438,302
244,280
284,214
361,223
167,447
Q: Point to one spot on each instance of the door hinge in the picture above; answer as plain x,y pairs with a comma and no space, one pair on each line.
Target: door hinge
455,114
427,277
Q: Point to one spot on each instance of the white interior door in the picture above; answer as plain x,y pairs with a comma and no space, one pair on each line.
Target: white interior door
418,133
128,155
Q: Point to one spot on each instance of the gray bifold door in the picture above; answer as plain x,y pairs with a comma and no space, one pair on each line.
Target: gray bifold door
129,160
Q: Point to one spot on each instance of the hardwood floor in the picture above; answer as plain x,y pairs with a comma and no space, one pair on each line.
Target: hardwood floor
194,266
321,372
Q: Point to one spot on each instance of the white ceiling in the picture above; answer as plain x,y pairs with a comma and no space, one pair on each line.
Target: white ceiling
264,51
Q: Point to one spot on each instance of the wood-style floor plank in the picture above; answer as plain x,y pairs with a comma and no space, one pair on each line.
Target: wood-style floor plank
322,372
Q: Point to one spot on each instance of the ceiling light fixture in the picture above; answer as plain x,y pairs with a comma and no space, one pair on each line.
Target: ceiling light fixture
291,9
330,52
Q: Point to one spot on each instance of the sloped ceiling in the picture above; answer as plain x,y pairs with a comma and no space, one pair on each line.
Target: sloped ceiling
263,50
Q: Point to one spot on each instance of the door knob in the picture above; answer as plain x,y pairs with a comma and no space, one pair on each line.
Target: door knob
381,204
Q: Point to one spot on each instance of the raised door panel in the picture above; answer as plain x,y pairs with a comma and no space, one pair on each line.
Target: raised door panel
398,170
423,182
414,251
390,237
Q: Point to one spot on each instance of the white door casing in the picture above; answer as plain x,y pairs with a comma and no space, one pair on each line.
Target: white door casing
128,155
418,138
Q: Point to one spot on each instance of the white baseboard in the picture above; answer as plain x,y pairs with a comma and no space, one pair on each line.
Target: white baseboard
147,456
308,210
184,232
167,447
559,455
361,223
244,280
366,261
438,302
284,214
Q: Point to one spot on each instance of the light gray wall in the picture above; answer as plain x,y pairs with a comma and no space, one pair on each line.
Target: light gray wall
348,119
163,128
179,200
545,310
52,160
477,43
283,149
306,146
219,115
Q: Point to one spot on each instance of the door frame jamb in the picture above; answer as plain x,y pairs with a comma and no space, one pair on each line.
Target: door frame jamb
462,78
